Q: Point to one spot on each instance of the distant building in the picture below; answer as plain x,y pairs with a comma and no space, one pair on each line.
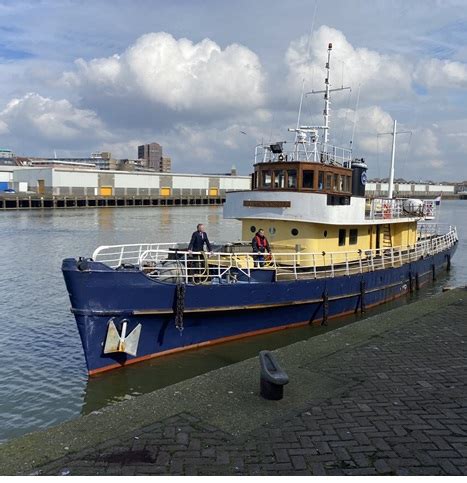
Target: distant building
165,165
59,163
153,158
131,165
104,160
151,154
6,153
65,162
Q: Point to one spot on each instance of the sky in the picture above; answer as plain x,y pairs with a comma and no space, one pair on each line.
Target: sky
209,80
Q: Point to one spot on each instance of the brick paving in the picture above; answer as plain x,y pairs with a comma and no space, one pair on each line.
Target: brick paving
404,413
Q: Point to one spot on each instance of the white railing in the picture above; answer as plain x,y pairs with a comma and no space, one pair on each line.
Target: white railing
386,209
117,255
165,262
429,230
311,152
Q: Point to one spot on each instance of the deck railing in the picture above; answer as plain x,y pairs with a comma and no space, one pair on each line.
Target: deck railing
386,209
165,262
310,152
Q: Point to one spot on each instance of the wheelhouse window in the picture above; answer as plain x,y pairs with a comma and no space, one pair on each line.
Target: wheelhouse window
335,184
341,183
279,179
328,181
320,180
353,236
342,233
347,184
266,179
308,179
291,178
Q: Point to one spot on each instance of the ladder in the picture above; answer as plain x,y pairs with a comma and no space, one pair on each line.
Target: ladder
387,239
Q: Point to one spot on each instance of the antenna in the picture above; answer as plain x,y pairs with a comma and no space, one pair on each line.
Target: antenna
311,31
300,107
355,116
327,98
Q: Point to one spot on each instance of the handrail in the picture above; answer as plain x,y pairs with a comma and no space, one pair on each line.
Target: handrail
390,208
161,261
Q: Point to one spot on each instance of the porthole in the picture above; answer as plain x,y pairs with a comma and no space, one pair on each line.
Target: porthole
294,232
253,229
272,230
325,233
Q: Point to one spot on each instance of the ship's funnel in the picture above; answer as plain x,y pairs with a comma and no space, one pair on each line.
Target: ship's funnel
359,178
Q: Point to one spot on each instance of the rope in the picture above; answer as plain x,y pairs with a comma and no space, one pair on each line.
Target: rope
200,273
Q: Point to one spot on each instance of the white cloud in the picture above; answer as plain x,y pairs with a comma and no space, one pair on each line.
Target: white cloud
370,121
381,76
205,143
49,119
426,143
177,74
441,73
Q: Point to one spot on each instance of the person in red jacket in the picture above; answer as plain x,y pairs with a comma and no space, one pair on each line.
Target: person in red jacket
260,246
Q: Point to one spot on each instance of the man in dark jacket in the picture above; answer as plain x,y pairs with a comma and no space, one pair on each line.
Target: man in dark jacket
198,263
260,246
199,238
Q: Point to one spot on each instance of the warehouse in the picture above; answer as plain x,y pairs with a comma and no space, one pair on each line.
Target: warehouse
93,182
410,189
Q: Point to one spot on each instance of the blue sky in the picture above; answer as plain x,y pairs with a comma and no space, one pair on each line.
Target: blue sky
79,76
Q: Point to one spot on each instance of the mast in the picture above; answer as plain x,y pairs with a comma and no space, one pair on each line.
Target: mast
327,98
393,155
394,134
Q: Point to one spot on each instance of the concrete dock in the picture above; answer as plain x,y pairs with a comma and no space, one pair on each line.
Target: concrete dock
385,395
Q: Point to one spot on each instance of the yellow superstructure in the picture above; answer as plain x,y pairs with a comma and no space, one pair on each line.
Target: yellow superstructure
303,237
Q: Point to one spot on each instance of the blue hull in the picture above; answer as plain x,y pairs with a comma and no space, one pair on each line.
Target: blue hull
220,312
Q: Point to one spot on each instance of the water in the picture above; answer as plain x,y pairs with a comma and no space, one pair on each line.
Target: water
43,373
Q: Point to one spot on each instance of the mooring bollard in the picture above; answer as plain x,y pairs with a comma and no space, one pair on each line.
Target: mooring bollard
273,378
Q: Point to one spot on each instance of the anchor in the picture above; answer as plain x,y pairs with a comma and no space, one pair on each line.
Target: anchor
116,342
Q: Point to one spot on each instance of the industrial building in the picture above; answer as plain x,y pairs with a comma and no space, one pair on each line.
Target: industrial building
63,181
414,190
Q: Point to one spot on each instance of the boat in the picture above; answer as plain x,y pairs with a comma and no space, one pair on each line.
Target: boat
334,253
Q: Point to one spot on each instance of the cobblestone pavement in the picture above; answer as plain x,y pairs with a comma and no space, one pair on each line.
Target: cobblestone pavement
404,414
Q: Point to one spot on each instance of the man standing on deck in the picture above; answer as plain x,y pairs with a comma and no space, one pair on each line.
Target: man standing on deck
260,246
199,238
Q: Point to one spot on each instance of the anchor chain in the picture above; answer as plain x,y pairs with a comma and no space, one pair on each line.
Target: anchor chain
179,306
325,303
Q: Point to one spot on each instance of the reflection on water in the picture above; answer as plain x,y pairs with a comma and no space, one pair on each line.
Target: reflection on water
43,373
105,219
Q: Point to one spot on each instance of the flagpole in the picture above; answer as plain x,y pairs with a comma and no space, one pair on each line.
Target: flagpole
438,212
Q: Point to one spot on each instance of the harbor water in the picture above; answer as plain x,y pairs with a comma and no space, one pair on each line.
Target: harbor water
43,373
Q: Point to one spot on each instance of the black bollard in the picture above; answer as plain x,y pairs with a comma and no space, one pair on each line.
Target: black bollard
273,378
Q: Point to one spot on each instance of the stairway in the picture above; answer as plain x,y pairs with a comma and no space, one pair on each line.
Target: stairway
387,239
